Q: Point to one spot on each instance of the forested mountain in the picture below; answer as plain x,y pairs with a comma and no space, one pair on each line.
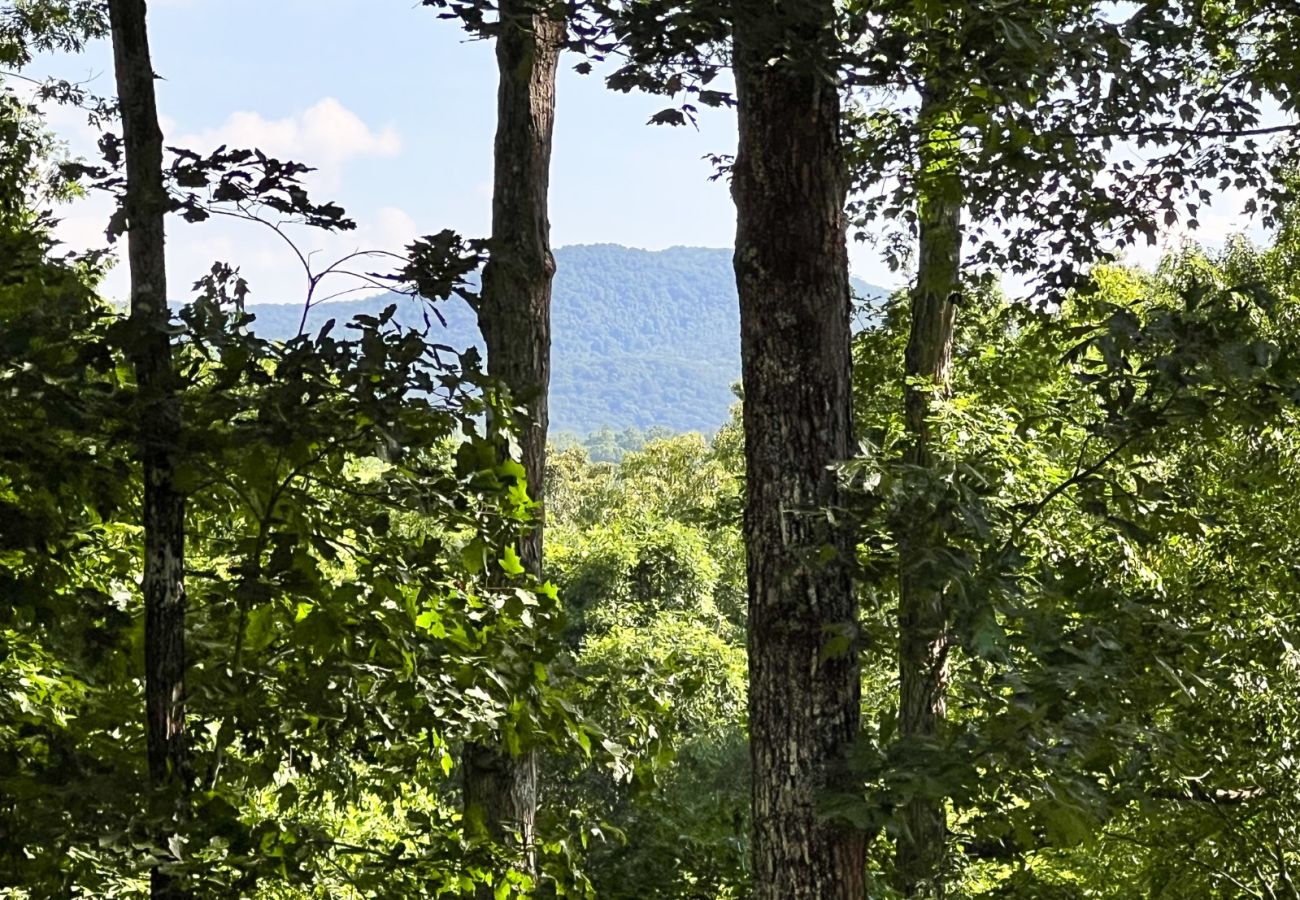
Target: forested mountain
640,337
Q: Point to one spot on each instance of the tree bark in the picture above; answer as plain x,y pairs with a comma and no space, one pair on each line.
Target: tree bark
159,423
791,266
515,317
923,614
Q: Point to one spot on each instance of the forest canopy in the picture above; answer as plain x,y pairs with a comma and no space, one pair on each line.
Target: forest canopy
983,587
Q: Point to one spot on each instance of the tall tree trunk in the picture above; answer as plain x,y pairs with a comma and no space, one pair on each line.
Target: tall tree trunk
515,317
792,276
923,615
159,422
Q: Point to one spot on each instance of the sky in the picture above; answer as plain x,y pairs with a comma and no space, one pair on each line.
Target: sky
396,109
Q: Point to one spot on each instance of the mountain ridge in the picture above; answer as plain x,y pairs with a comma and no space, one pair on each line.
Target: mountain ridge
639,337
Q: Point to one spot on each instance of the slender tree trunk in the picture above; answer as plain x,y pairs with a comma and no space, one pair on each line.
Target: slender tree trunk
515,317
923,615
159,422
792,276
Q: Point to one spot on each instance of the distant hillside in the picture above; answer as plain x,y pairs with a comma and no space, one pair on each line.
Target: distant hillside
640,338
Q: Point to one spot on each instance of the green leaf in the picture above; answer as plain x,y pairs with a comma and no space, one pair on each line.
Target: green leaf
511,563
259,629
474,556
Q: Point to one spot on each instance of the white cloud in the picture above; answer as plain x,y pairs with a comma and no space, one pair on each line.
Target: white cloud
393,228
326,135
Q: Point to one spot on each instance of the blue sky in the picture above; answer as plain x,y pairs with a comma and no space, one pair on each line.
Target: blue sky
397,107
397,110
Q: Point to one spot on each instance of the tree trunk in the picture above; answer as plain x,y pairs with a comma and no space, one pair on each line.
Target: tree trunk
159,422
923,615
515,317
792,277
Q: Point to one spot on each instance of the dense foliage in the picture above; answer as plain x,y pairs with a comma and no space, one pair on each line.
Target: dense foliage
1098,485
647,555
1114,490
345,509
1107,483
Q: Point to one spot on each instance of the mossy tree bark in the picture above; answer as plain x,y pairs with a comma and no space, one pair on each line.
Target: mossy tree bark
923,614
